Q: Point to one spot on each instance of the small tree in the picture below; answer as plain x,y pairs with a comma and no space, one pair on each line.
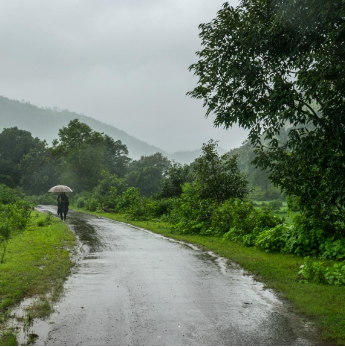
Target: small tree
218,176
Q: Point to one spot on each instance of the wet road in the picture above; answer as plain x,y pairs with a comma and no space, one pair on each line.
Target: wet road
133,287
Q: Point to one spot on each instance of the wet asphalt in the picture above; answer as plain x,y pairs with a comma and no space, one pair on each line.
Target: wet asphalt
133,287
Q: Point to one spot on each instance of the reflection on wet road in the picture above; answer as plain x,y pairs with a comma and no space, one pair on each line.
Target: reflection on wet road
133,287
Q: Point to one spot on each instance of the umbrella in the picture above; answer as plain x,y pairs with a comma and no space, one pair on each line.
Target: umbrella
60,189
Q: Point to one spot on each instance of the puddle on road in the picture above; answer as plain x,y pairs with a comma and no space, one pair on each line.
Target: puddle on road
90,241
85,232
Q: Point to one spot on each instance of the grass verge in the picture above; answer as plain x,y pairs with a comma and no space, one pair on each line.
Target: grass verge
36,264
320,303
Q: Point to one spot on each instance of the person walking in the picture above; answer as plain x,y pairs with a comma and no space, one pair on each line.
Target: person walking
63,204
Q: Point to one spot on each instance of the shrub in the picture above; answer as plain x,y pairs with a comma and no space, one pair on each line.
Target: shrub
92,204
303,242
139,210
335,275
191,214
9,195
80,202
274,239
317,272
40,222
333,249
233,218
13,218
312,272
162,207
248,222
127,198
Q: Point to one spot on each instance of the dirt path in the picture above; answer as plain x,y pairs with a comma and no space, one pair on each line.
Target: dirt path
133,287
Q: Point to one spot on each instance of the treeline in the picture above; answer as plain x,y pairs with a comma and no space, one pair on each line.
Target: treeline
81,157
211,196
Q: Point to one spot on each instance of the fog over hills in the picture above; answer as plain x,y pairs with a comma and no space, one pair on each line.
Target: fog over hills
45,123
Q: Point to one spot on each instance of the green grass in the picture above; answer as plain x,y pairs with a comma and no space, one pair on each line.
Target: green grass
283,213
320,303
36,264
8,338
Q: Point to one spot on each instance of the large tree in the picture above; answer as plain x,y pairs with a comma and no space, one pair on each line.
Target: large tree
84,153
14,145
269,64
38,170
147,172
175,176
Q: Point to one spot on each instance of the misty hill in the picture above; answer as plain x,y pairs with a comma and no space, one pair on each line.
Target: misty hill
45,123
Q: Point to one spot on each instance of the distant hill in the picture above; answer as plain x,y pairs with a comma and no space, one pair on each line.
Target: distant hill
45,123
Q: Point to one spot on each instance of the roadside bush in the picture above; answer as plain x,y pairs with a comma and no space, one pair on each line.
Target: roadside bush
333,249
13,218
191,214
233,215
149,208
128,198
234,219
80,198
8,195
109,189
302,238
317,272
313,238
248,222
80,202
274,239
303,242
312,272
140,209
47,220
92,204
162,207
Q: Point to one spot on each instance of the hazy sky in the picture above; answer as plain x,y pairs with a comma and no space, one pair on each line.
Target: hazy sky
123,62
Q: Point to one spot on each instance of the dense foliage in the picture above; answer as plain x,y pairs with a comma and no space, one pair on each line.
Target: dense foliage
84,153
14,216
271,65
218,177
209,197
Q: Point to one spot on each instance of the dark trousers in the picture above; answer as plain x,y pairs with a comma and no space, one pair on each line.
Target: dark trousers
62,211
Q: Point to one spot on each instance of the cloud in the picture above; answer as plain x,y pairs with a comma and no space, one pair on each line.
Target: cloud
122,62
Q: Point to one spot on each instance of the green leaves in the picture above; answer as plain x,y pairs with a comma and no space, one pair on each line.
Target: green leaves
218,177
84,153
317,272
13,218
272,64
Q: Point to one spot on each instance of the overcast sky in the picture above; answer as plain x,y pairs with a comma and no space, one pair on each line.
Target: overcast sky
123,62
